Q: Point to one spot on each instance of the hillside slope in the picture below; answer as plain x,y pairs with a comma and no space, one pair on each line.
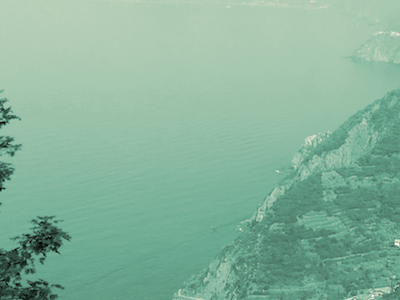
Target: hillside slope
382,47
327,230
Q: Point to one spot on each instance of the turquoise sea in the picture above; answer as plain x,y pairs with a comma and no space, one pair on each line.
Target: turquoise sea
146,125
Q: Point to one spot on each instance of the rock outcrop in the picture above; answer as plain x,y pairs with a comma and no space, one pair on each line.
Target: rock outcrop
328,230
382,47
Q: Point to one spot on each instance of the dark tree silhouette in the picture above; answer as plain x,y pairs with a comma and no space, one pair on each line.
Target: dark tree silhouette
44,238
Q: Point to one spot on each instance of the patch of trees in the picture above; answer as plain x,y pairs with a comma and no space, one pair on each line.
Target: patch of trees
302,198
357,203
335,140
388,118
327,247
373,165
45,237
338,137
390,200
387,114
385,117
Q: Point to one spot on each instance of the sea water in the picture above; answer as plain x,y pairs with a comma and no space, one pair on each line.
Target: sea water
152,130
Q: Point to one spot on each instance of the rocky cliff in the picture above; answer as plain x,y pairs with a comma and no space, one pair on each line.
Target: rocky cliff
328,230
382,47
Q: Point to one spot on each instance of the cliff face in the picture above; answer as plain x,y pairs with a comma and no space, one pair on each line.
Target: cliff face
382,47
327,231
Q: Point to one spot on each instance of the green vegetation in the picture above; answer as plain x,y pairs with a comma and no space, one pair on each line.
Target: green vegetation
385,118
335,140
331,239
299,200
388,112
390,144
45,238
350,256
338,137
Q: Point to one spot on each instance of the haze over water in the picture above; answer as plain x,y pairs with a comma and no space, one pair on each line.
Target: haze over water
144,125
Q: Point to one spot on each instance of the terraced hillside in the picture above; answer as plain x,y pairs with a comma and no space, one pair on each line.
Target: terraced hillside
327,231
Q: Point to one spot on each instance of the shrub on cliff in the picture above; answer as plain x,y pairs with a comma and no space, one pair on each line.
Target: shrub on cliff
45,238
